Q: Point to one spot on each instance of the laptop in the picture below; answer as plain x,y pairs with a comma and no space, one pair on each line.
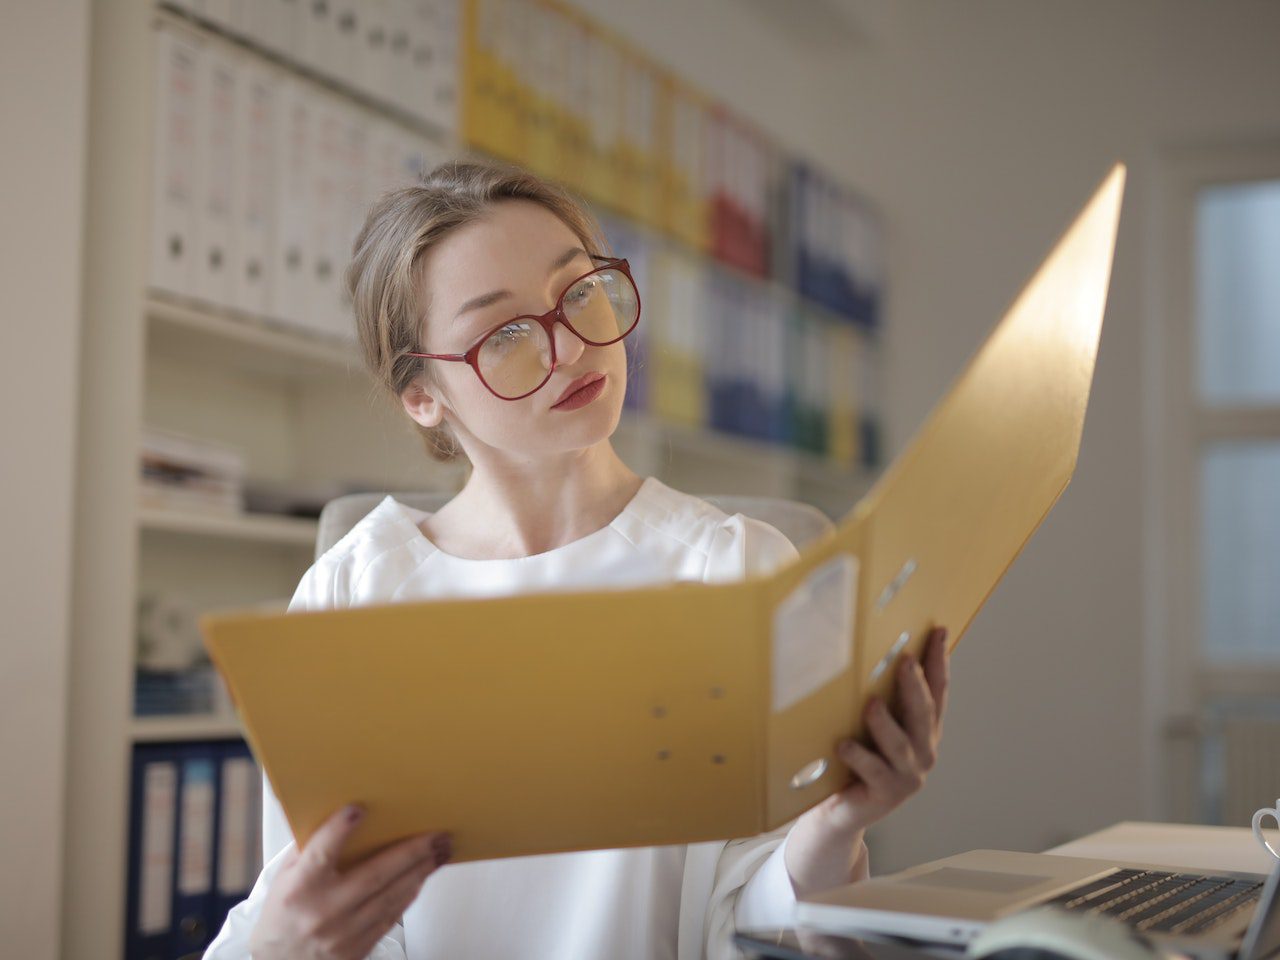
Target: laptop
1209,916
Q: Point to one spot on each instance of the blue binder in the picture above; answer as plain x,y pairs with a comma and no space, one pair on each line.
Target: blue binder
237,854
197,819
149,920
175,902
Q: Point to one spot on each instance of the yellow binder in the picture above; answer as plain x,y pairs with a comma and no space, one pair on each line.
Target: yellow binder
684,712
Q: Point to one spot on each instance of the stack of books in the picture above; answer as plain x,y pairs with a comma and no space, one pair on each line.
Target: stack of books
183,473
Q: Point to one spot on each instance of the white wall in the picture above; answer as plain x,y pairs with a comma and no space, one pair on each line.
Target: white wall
980,127
44,52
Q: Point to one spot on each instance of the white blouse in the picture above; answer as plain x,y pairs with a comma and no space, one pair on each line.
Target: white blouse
679,902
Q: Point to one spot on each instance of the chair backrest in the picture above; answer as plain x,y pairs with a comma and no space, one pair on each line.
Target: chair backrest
799,522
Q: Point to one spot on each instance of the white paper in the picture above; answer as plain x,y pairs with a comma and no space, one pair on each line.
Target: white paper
813,631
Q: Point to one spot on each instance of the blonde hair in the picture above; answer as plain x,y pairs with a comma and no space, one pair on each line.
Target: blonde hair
399,230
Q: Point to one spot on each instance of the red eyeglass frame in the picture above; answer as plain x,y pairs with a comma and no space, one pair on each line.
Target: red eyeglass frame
548,321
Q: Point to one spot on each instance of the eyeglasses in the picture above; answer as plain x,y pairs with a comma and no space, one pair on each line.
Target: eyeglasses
515,358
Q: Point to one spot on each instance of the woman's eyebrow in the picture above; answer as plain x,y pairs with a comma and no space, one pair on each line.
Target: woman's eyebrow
493,296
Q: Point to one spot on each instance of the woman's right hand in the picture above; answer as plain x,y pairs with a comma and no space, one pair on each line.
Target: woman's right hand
313,911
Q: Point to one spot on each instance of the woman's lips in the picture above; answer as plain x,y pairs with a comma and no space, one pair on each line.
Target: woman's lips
580,392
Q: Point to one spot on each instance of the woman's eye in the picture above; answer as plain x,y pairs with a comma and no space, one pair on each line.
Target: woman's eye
511,333
581,291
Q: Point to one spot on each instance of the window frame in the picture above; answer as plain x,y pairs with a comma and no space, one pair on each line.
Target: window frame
1178,680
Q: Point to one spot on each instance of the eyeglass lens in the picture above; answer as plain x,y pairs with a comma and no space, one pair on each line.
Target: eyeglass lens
601,308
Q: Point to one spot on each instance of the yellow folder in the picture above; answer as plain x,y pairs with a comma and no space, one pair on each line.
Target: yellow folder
684,712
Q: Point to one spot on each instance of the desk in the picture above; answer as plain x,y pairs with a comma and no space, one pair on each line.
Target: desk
1172,844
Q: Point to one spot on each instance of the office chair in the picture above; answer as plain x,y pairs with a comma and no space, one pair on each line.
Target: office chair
799,522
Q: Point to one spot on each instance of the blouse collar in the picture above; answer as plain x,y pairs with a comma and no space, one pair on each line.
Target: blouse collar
408,519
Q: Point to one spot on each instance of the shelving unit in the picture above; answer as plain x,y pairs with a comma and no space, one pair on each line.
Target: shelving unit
298,405
254,346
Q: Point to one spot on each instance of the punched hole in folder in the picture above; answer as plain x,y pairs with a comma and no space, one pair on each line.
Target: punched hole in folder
809,774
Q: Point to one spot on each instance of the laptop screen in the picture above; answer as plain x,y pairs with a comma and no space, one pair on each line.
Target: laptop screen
1263,936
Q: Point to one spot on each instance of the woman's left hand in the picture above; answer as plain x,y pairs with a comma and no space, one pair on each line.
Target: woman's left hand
825,846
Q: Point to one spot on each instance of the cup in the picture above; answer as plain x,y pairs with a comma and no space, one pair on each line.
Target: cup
1258,817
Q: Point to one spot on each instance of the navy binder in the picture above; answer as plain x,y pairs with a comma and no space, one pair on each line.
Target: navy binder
153,818
237,855
193,887
181,824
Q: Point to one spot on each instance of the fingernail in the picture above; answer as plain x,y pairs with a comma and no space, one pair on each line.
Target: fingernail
353,813
443,848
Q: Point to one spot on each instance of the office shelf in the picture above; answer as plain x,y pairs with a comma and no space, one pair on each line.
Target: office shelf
262,528
242,342
193,727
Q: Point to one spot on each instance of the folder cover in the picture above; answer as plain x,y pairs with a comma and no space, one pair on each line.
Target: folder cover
682,712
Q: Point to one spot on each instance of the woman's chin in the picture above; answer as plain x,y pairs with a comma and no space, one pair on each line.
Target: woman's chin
586,425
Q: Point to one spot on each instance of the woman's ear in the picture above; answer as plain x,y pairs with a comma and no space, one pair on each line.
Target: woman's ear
424,403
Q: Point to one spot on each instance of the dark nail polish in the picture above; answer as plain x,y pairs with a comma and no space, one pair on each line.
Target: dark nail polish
443,848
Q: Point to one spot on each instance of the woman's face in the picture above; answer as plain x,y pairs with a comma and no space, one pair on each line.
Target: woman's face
514,260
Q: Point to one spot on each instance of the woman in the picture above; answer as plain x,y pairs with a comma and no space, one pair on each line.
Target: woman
484,304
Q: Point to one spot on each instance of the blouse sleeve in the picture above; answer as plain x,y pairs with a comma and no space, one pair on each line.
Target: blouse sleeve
751,886
325,585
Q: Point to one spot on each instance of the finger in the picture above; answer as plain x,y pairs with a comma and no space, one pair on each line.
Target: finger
890,738
937,670
371,877
918,709
867,764
378,914
320,855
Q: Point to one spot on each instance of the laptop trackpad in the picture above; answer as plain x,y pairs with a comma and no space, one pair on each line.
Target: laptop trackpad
989,881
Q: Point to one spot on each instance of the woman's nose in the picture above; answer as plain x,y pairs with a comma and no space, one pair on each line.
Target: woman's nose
568,345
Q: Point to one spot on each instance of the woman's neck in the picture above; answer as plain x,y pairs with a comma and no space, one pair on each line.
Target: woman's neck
521,509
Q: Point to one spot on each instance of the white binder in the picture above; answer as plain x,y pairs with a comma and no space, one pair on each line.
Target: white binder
253,202
354,199
227,14
373,52
325,205
446,64
384,153
348,36
403,29
293,156
316,35
275,24
216,175
178,77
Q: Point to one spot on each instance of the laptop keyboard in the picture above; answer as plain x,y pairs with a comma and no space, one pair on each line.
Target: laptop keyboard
1178,903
